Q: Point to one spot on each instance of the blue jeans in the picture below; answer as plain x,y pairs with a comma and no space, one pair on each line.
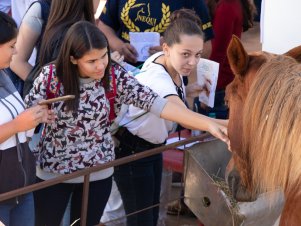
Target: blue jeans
13,214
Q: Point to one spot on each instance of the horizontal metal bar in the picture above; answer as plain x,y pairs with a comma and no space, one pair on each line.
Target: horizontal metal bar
117,162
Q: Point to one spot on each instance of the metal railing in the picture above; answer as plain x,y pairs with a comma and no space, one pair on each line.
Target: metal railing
86,173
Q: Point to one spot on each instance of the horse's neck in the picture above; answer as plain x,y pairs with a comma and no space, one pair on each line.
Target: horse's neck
291,211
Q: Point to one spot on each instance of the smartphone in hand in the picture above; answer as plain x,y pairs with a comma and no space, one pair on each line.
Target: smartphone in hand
57,99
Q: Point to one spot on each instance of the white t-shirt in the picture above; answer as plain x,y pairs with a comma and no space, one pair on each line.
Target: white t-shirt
149,126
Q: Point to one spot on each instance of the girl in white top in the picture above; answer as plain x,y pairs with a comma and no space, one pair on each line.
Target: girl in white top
149,126
139,181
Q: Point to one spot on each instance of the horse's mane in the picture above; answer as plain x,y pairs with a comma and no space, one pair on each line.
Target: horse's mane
272,125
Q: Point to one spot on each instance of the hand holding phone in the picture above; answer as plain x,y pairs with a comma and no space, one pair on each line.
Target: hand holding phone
57,99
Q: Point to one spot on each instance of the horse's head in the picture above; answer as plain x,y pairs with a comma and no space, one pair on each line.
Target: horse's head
245,67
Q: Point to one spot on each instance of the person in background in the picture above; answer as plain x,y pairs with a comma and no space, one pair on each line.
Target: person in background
34,26
230,17
62,15
145,16
30,38
17,165
81,138
139,181
115,206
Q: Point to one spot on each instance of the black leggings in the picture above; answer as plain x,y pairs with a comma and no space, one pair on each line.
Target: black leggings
51,202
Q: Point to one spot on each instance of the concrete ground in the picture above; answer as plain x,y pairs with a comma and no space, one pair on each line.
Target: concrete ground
251,41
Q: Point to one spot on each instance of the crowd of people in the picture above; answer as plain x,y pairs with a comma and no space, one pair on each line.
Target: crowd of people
81,56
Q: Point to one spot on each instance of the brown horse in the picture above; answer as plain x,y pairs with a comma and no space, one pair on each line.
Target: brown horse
265,125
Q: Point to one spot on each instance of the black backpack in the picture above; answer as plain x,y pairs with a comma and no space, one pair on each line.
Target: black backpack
36,70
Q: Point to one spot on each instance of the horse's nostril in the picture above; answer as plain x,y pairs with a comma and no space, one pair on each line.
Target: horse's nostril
206,201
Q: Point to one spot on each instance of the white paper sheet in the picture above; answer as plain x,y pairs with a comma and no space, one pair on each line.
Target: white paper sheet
207,74
142,41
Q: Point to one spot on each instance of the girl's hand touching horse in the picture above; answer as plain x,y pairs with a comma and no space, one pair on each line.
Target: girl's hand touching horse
219,131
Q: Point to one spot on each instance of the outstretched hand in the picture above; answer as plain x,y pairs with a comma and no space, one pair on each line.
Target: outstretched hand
219,131
33,116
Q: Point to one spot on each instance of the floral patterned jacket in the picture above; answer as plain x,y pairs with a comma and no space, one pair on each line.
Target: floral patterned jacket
82,138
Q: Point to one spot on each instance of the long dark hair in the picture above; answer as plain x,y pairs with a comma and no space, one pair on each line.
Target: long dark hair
82,37
8,28
63,13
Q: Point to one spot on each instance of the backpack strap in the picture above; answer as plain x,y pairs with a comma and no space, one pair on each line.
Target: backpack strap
111,94
52,93
45,10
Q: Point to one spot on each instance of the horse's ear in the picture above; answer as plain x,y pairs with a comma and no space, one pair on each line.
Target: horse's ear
237,56
295,53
